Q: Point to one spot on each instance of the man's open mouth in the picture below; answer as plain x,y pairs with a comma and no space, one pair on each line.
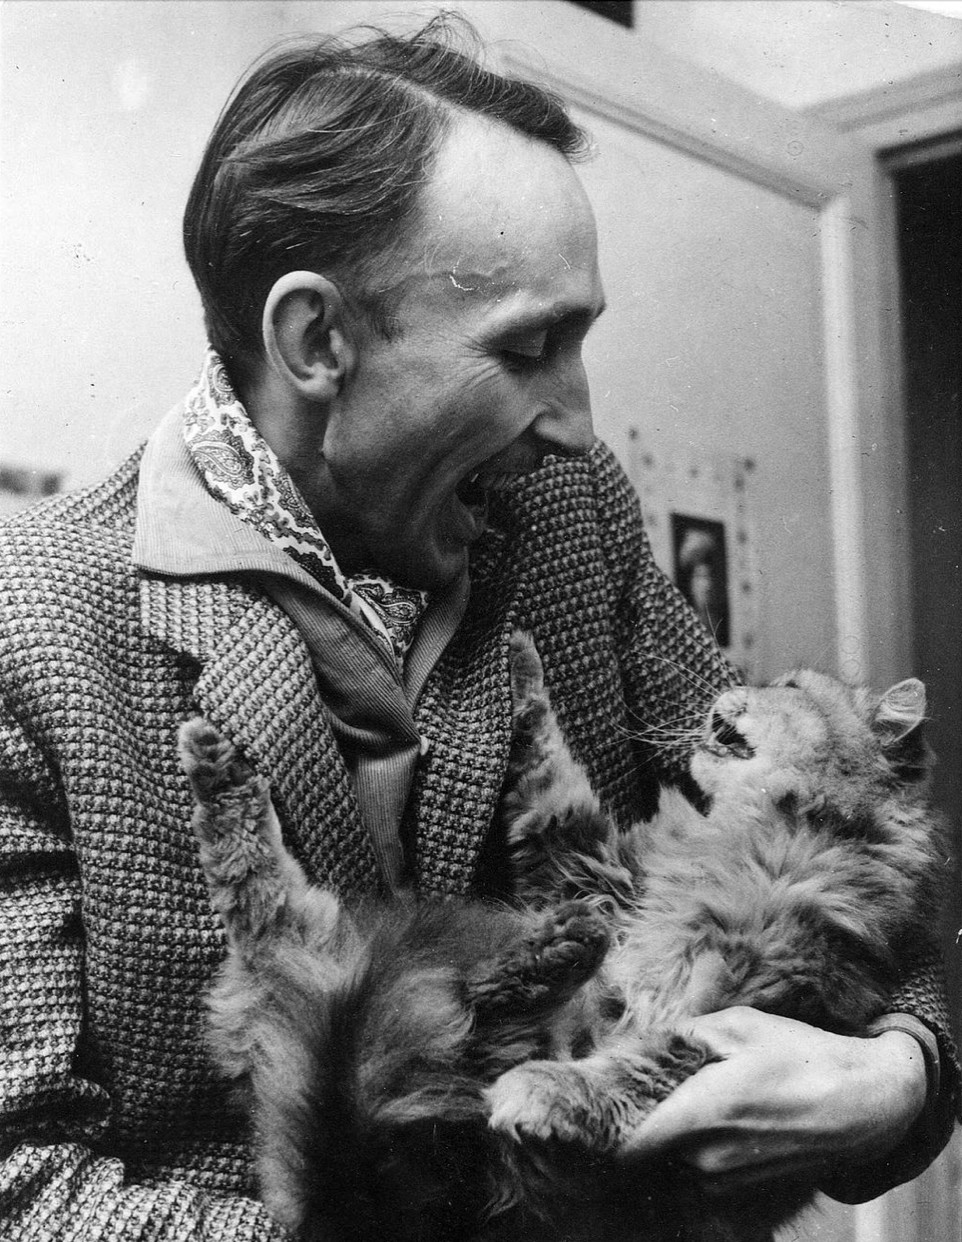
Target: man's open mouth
473,491
475,488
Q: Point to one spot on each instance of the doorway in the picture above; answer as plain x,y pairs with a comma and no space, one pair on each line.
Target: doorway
928,193
927,184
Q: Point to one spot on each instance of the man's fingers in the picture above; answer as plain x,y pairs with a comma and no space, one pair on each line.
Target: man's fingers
781,1095
687,1111
721,1170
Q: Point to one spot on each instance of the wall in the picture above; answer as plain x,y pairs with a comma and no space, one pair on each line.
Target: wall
803,52
105,110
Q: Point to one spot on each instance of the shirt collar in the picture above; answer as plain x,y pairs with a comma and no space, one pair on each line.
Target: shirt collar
232,506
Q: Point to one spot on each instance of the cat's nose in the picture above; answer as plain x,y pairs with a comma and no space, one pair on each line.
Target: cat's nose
730,705
723,729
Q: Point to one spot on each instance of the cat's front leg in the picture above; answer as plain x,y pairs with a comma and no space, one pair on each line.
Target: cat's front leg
561,842
598,1101
544,968
256,886
262,896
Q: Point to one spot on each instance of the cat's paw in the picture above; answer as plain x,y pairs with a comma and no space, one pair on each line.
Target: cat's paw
571,944
209,760
546,967
539,1099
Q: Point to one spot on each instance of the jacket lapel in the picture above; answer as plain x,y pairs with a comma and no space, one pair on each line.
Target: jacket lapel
257,685
464,712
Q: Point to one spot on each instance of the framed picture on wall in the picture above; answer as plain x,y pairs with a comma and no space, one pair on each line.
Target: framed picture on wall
698,514
700,557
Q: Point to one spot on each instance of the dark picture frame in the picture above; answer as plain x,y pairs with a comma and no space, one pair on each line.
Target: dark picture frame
700,558
620,11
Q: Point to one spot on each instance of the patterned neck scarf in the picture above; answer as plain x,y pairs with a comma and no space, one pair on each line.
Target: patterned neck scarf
240,468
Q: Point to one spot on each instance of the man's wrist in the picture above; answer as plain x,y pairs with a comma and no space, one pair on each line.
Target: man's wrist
926,1040
913,1072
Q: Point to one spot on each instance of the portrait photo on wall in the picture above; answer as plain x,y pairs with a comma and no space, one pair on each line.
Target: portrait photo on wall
701,571
698,512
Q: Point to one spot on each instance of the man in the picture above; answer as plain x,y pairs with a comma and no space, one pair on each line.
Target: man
386,465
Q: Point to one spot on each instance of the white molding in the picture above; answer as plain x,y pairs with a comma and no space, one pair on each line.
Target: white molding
692,131
922,152
900,113
844,441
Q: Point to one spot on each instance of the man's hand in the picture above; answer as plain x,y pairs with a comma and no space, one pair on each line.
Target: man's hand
785,1098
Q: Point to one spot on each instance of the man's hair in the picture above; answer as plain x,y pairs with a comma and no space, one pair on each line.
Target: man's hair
318,160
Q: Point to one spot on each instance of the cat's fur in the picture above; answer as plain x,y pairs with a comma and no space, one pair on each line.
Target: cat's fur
801,892
377,1042
364,1036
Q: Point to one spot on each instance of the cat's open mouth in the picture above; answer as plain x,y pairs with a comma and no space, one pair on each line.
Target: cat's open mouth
723,739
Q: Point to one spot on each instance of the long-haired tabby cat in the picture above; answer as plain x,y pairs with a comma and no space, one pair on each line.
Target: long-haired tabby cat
451,1070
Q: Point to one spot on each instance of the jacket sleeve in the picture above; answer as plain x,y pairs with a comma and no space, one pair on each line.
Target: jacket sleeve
920,995
672,670
52,1116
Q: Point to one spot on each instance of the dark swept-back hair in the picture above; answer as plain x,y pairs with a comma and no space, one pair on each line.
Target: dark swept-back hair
318,159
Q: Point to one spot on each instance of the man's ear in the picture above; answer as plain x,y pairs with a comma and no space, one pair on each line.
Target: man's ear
306,335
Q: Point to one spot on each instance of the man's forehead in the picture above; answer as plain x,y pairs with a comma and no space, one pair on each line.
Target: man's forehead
502,221
537,293
537,259
500,282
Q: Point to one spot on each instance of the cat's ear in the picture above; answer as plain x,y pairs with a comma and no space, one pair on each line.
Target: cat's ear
900,710
897,721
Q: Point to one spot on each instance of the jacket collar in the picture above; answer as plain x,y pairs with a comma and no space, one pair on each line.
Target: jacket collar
181,530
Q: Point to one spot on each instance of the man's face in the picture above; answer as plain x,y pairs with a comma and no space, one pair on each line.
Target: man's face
483,378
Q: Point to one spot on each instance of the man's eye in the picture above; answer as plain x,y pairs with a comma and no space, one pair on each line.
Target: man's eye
514,360
522,355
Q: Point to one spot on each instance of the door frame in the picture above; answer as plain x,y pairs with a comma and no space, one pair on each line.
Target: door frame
924,111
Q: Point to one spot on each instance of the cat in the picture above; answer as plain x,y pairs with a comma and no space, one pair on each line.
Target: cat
801,892
440,1070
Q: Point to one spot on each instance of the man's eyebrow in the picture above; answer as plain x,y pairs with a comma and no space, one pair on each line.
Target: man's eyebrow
573,314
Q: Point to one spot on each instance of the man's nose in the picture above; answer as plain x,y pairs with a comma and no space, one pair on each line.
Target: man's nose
565,421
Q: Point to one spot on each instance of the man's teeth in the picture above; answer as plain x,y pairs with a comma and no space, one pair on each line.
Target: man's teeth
490,481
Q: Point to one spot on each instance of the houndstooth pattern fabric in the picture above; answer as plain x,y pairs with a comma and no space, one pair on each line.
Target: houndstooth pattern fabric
112,1124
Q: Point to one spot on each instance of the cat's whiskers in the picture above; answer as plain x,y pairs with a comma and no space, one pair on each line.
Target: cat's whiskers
711,688
669,732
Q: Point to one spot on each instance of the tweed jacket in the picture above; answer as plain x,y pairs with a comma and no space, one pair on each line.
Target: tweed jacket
112,1124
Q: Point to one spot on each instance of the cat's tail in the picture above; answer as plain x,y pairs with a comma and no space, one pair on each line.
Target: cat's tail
255,885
